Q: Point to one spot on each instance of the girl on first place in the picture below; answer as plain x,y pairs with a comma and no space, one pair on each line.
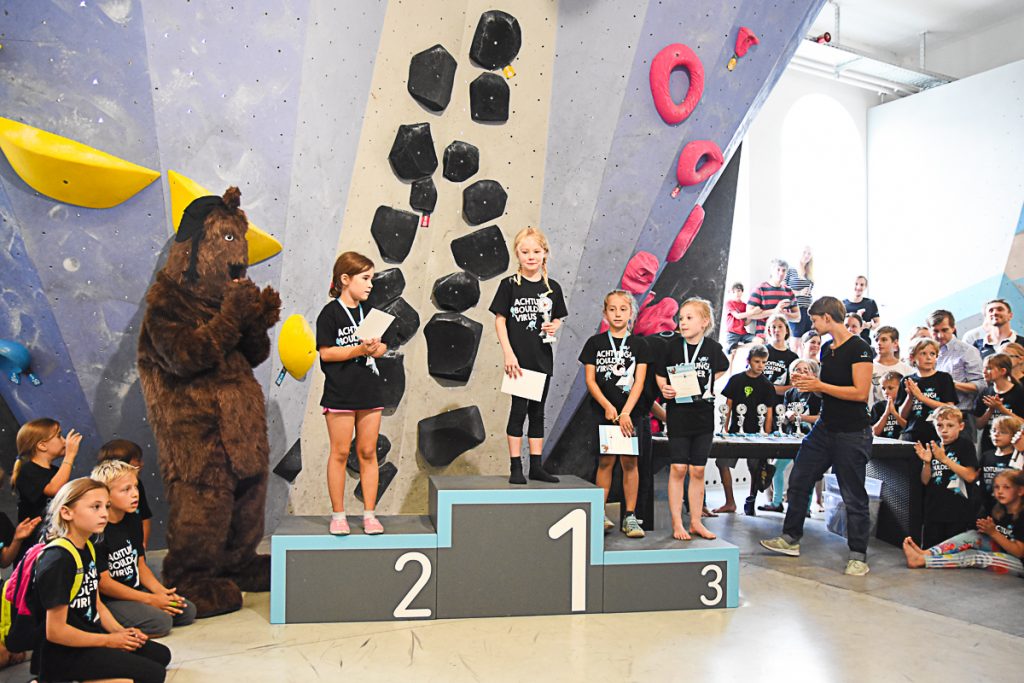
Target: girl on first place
353,390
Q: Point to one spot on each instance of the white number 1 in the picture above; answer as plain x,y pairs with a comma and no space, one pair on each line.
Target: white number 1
575,523
403,611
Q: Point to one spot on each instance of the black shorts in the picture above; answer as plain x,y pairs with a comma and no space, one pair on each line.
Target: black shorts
732,340
692,449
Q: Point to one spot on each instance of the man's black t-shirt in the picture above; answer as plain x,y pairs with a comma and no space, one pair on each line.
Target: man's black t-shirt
144,510
518,303
939,387
870,313
1012,399
750,396
32,479
840,415
892,429
616,367
120,550
944,499
54,574
802,403
350,384
697,416
776,368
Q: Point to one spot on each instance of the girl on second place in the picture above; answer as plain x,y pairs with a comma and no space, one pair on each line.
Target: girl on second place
616,368
693,361
528,309
353,391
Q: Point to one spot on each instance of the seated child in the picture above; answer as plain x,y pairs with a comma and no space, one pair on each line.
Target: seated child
1007,435
949,473
926,390
997,542
800,411
736,334
1003,395
886,420
131,453
11,540
131,592
750,400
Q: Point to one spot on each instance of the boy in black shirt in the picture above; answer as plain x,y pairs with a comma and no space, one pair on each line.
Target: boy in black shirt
886,420
950,476
926,390
840,439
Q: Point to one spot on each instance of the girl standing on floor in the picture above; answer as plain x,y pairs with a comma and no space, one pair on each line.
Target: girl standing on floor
693,360
353,395
997,544
616,368
780,358
528,309
82,640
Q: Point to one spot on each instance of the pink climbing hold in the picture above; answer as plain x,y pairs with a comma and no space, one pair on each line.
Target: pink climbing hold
671,57
687,172
745,40
657,318
640,272
686,234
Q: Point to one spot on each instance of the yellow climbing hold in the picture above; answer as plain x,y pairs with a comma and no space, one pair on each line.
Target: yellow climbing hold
296,346
183,190
69,171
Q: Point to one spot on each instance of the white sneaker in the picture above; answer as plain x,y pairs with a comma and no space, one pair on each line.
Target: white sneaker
856,568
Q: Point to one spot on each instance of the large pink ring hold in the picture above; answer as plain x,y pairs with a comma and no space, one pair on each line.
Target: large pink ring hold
670,58
687,172
686,234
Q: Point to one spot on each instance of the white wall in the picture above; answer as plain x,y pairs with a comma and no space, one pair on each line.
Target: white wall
945,182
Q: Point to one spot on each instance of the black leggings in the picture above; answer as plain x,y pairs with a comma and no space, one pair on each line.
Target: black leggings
523,407
148,664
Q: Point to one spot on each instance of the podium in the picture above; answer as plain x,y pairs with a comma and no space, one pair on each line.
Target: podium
487,549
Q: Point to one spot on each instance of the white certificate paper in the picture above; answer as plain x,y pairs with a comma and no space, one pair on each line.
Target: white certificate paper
614,443
530,385
685,383
374,325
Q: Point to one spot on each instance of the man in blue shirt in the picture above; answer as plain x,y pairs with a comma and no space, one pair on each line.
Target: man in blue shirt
962,361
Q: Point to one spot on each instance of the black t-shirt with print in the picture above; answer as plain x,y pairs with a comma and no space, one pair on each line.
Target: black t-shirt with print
32,479
776,368
518,303
801,402
944,500
747,395
614,368
54,573
992,463
1012,399
892,429
1008,525
939,387
350,384
655,348
120,550
698,416
840,415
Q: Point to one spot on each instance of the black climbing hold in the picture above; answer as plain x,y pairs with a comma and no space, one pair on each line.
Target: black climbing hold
383,448
412,155
444,437
496,41
488,98
452,343
291,463
423,196
431,75
391,367
483,201
456,292
393,230
461,161
385,475
482,253
404,326
388,285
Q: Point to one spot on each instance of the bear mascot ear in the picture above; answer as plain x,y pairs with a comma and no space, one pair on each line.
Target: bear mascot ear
192,227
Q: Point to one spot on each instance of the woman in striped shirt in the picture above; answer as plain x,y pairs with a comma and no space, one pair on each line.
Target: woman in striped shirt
801,281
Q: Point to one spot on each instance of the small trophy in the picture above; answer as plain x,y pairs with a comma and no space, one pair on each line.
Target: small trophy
741,417
723,414
799,410
762,417
544,305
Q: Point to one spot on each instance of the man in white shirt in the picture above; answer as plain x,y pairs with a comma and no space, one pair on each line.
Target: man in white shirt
962,361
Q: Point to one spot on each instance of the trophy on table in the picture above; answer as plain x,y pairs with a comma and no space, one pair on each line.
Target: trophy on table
799,410
544,305
762,417
723,414
741,417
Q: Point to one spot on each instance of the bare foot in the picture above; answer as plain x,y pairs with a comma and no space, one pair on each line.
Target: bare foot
698,529
915,556
707,513
679,533
726,508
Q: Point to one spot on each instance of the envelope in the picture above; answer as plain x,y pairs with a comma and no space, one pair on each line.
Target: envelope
614,443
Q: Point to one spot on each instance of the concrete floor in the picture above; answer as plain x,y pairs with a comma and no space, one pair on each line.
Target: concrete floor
799,618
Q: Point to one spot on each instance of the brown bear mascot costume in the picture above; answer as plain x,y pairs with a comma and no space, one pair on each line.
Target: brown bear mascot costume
204,331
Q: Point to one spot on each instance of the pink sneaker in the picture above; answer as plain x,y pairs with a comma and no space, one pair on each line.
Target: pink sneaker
372,526
339,527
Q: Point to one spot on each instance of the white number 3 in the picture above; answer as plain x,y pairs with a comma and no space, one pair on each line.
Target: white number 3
715,583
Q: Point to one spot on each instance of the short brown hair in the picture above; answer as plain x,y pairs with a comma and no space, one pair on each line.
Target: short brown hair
830,306
350,263
758,351
938,316
119,449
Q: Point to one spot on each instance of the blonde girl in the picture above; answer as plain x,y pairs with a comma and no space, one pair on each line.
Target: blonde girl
528,310
1007,434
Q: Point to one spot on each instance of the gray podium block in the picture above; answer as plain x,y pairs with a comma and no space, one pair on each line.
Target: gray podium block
505,550
658,573
316,577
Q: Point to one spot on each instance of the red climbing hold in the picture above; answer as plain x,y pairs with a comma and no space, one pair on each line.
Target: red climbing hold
686,234
640,272
687,172
670,58
657,318
745,40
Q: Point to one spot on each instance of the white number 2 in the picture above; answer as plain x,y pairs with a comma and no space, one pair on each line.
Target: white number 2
403,611
575,523
715,583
